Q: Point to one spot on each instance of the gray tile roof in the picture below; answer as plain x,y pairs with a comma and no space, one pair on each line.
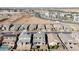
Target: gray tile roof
39,37
32,27
15,27
24,37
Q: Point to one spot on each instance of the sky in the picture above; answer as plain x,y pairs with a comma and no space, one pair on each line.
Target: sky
39,3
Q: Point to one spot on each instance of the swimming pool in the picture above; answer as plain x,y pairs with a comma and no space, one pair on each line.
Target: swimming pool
4,48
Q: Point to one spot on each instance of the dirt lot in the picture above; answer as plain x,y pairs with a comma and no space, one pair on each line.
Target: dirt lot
26,19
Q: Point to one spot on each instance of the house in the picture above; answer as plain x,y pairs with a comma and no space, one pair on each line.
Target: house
69,42
9,39
53,15
39,40
36,14
68,16
76,18
58,27
15,27
24,27
62,14
6,27
58,17
32,27
24,42
66,27
75,35
41,27
49,27
75,27
53,40
44,14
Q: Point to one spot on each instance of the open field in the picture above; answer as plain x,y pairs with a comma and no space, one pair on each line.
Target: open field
27,19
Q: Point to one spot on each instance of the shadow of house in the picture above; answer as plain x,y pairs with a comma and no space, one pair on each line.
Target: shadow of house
1,39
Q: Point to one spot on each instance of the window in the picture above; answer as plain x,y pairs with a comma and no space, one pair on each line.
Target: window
39,37
9,37
38,42
27,42
5,37
35,42
35,37
75,43
70,43
8,42
65,42
59,43
71,47
38,46
22,43
11,43
42,43
4,42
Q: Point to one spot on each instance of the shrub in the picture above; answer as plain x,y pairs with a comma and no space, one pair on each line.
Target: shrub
54,47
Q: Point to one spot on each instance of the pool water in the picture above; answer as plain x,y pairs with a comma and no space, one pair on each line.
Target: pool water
4,48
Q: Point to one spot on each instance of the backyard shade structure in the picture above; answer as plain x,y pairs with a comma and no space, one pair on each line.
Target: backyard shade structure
69,42
24,42
9,39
